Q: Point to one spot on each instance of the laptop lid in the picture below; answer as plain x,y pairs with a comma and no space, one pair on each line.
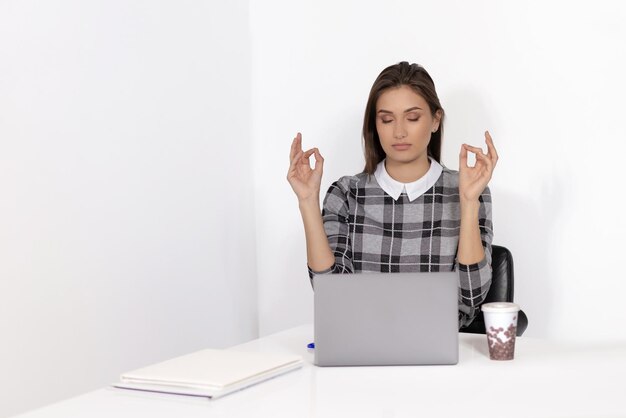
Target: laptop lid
383,319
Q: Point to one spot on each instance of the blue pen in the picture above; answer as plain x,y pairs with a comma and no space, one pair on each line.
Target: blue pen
310,345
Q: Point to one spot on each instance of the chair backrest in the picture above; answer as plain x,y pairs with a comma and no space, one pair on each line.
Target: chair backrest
502,285
501,290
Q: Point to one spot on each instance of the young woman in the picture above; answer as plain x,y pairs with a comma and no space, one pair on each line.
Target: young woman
405,212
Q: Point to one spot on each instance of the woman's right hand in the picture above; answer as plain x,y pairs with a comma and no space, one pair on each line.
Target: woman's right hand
305,181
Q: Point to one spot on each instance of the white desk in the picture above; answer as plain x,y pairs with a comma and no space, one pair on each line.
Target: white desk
544,380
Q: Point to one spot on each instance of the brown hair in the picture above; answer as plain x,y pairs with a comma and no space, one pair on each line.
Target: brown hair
397,75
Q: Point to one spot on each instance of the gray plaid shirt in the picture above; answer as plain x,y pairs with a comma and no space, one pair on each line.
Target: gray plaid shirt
370,231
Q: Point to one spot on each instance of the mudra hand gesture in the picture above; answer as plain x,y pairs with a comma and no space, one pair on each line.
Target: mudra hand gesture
473,180
304,180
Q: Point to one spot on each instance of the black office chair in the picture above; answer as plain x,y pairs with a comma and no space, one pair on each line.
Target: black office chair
501,290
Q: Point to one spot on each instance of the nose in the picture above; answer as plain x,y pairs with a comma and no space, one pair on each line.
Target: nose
398,131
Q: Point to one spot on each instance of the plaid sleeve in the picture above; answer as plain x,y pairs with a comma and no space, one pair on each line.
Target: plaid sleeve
475,279
336,226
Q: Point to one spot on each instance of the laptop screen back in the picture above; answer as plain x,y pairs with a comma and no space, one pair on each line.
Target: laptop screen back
372,319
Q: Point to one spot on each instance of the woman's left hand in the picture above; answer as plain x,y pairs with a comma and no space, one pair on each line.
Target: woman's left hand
473,180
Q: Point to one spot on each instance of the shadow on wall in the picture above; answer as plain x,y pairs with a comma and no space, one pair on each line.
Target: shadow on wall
530,222
343,146
533,230
468,116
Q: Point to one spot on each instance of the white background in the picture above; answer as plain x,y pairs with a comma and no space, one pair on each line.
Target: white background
126,210
545,78
144,211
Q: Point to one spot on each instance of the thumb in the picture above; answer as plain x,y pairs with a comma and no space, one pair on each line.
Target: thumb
319,161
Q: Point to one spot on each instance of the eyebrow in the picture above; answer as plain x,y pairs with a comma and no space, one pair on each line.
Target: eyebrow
406,111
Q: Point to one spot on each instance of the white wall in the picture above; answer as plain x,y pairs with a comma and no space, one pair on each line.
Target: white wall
126,211
126,128
547,80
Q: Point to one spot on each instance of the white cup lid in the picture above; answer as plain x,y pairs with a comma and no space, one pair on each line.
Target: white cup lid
500,307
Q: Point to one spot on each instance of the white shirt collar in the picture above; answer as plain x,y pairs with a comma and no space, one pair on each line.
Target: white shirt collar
414,189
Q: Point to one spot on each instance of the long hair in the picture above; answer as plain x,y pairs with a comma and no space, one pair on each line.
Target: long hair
397,75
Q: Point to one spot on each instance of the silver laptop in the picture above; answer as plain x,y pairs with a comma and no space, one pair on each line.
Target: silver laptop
384,319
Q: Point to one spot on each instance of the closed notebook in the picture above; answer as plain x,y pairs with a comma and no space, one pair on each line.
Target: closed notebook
209,373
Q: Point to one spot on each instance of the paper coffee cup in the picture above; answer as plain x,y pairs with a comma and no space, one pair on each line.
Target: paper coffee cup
501,328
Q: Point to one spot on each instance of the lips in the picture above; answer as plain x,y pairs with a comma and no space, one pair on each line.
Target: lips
401,147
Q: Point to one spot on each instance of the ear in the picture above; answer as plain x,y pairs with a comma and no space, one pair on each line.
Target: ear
437,120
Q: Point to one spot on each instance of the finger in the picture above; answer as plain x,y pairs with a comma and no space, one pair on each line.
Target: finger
463,157
301,157
293,149
475,150
491,148
296,145
319,161
294,161
307,154
482,158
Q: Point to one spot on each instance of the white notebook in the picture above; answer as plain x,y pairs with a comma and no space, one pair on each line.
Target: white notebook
209,373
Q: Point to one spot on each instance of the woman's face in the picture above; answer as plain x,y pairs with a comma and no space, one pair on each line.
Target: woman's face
404,125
